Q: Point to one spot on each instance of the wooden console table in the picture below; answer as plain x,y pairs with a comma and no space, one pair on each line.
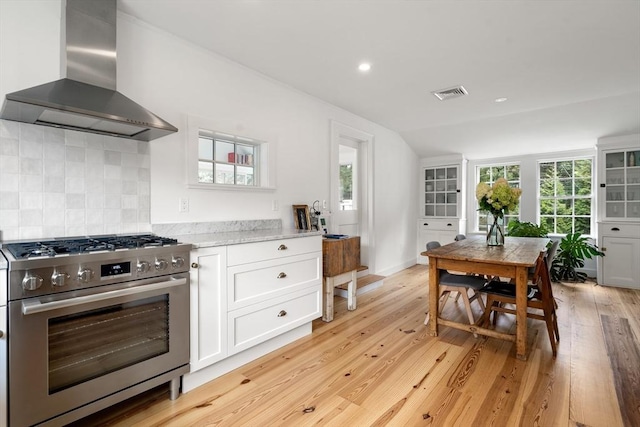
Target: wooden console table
340,262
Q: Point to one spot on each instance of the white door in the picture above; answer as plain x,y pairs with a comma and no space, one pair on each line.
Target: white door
351,187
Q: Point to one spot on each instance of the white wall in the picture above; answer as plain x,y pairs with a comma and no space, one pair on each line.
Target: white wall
175,79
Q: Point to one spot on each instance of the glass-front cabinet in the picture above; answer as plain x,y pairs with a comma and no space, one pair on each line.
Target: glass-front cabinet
441,207
441,193
619,211
622,183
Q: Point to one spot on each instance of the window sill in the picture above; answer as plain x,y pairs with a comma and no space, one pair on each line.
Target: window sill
229,187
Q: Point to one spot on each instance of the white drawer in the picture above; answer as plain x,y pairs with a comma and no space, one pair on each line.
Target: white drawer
252,283
272,249
439,225
254,324
618,229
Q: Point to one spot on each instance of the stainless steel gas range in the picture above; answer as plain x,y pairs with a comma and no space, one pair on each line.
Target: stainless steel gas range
93,321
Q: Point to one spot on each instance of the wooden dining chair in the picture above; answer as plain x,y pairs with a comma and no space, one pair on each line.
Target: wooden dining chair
460,283
539,297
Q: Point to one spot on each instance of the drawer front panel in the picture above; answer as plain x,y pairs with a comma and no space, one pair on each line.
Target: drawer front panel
255,324
249,284
439,225
273,249
620,230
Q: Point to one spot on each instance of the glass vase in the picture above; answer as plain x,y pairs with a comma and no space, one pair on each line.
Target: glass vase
495,230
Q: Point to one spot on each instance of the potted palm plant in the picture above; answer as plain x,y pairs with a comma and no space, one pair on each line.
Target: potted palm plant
574,248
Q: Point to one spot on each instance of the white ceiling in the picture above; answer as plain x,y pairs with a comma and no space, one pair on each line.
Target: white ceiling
570,69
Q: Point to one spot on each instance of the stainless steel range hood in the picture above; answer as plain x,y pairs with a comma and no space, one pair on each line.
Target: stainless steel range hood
86,99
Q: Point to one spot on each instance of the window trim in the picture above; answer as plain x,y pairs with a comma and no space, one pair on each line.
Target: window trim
593,214
264,142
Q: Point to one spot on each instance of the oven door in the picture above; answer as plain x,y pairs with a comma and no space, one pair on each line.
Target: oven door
74,348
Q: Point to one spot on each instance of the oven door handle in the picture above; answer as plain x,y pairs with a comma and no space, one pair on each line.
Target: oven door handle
33,307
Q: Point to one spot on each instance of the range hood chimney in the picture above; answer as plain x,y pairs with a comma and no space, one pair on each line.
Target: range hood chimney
85,99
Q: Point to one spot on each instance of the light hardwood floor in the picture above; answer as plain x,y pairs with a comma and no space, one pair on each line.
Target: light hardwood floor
378,366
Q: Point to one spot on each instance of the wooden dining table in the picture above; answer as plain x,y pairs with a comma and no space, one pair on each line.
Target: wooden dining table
472,255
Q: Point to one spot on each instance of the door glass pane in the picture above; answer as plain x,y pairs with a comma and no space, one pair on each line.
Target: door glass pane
348,178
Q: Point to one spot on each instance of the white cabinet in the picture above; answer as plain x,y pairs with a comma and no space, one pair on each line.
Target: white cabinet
620,179
619,211
441,187
273,286
438,229
621,244
249,299
442,201
208,279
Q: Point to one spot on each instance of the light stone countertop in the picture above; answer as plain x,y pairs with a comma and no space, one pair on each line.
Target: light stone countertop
206,240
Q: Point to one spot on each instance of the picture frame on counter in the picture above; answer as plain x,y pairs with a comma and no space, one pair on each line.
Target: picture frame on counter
301,217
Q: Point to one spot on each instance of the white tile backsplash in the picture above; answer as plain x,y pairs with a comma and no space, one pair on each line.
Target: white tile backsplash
60,183
9,181
32,149
9,200
31,200
113,158
31,183
74,154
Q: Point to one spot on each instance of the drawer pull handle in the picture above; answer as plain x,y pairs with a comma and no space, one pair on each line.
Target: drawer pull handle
194,265
282,248
426,223
449,225
282,275
615,229
282,313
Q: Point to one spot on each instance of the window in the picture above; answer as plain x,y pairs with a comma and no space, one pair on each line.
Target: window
348,174
566,195
489,174
226,160
217,159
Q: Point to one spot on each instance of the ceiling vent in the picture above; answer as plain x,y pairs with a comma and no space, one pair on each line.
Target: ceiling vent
450,93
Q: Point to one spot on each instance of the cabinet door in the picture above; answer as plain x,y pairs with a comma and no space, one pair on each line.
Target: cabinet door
441,192
208,277
620,263
622,184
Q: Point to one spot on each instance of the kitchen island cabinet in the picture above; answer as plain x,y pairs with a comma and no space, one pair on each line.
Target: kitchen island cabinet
249,299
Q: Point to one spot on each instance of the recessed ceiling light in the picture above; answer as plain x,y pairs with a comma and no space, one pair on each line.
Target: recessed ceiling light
500,99
364,67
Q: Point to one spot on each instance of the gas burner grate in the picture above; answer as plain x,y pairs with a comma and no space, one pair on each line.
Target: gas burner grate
56,247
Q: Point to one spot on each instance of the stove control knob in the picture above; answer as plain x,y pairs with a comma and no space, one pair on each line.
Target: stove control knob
85,275
143,266
31,283
58,278
161,264
178,262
